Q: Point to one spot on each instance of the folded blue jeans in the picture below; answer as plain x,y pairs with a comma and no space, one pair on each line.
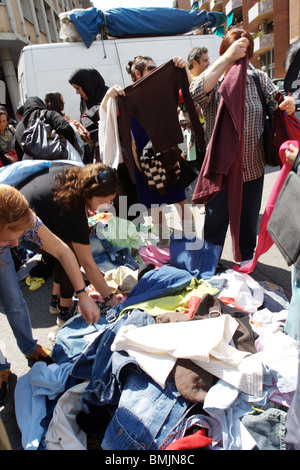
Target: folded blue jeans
267,428
108,257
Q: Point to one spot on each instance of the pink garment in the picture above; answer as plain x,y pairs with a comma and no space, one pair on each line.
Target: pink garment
152,254
264,239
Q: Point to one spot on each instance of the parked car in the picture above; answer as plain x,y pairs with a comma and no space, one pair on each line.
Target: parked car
279,82
296,96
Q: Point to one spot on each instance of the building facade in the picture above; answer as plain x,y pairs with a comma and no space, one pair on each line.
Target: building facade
274,24
25,22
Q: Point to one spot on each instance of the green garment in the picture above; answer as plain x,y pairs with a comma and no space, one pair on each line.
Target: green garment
178,302
122,233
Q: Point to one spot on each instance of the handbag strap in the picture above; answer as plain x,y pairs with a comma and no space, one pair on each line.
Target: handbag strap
42,115
261,94
36,117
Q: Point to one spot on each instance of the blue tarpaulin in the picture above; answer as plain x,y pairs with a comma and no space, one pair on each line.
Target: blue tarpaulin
130,22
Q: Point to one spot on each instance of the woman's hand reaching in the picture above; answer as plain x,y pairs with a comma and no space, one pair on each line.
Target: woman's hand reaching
112,92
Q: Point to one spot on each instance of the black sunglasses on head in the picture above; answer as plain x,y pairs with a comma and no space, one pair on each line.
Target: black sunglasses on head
104,175
150,67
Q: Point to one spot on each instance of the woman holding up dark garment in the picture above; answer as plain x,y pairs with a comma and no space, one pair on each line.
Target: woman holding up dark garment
139,68
236,44
90,85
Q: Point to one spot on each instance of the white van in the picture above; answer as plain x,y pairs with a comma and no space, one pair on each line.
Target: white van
47,67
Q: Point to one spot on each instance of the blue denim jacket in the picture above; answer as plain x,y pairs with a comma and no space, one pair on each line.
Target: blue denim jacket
73,338
146,414
157,283
142,413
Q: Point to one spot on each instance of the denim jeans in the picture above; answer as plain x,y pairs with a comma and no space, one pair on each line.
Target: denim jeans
14,305
201,263
274,300
73,338
217,218
108,257
267,428
142,413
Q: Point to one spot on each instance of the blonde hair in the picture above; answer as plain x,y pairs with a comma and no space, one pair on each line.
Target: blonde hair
78,184
15,213
3,112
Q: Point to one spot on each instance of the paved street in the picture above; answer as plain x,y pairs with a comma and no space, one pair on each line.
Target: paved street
271,267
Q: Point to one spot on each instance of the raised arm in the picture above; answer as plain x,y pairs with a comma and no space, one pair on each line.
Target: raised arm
236,51
112,92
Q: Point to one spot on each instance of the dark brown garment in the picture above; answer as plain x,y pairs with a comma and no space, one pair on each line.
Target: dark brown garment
153,101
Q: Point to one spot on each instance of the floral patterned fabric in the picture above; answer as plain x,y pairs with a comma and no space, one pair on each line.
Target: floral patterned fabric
29,235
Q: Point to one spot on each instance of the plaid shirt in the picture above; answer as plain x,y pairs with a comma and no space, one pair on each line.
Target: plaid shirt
254,118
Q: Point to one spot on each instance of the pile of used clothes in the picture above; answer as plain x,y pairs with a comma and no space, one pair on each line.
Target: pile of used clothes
190,359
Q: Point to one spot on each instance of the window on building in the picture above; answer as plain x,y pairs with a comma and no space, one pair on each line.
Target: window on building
267,63
39,17
26,10
50,23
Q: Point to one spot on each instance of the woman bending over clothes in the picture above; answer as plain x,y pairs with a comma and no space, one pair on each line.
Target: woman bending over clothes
18,223
61,196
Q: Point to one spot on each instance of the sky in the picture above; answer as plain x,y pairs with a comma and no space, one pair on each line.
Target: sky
108,4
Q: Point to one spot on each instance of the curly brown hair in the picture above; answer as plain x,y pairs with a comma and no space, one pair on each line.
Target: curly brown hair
77,184
15,213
